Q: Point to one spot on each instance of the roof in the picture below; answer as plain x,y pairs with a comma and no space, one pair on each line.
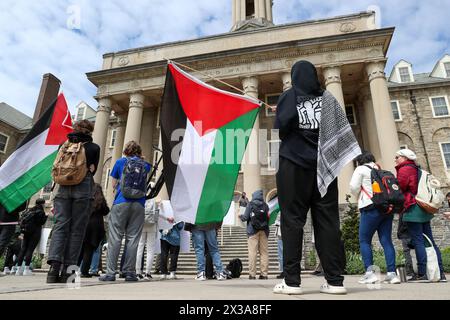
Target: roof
420,79
14,117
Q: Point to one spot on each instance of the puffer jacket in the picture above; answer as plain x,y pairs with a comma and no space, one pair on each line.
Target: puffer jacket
407,177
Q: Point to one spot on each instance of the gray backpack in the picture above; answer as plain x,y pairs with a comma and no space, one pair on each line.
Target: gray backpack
151,212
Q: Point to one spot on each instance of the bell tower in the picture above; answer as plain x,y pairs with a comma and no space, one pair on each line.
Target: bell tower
251,14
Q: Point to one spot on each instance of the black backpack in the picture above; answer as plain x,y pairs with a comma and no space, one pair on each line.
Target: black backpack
27,223
387,196
133,183
259,217
234,268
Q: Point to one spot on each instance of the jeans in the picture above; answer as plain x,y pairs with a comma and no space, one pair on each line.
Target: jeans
416,231
372,220
72,209
198,238
280,254
125,219
95,260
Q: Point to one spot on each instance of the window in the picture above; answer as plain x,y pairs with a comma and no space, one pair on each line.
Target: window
445,148
440,106
3,142
350,112
250,9
404,74
80,113
447,69
113,138
396,110
272,100
272,156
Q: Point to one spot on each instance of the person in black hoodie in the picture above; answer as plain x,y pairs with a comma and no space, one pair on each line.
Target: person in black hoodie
95,232
316,143
31,236
8,223
72,206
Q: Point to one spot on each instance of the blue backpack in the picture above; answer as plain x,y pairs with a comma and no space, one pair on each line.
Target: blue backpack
133,183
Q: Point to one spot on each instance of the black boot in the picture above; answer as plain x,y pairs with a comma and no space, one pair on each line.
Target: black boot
53,273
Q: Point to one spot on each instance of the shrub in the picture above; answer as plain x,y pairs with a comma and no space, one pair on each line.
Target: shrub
446,259
354,264
350,228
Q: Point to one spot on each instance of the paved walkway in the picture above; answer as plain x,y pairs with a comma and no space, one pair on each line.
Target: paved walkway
186,288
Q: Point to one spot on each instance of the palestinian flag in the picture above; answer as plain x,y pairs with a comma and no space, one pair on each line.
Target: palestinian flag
274,210
203,142
28,169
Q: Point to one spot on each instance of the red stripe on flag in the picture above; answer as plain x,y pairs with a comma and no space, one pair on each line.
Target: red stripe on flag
212,107
61,124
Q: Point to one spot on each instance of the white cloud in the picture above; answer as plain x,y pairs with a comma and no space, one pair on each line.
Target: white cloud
35,39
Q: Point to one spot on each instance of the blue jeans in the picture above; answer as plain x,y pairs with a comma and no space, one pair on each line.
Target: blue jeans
198,238
280,254
416,231
95,260
372,220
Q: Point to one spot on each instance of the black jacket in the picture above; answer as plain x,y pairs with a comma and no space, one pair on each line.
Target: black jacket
95,232
38,220
13,216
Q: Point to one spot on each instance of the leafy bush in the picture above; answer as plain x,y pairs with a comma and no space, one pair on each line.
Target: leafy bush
350,228
2,263
446,259
36,261
355,264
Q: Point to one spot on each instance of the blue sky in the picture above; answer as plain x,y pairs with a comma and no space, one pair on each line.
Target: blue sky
68,38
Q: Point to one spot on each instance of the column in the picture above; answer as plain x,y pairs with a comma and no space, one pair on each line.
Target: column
333,84
100,132
134,122
117,152
233,13
286,78
243,11
368,126
386,129
262,9
269,10
257,8
251,165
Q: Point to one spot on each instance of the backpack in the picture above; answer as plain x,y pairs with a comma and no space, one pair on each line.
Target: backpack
70,167
133,183
259,218
387,196
234,268
27,221
151,212
429,194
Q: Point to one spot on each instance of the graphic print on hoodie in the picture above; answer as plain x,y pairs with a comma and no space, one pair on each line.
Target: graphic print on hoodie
309,112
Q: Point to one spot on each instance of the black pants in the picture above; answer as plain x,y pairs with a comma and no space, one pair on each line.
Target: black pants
174,251
11,251
6,233
297,193
29,243
87,251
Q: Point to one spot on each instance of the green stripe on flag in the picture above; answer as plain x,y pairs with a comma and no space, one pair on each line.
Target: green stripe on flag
221,178
274,214
28,184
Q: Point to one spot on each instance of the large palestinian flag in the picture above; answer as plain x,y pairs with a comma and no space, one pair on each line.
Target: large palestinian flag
205,132
274,210
28,169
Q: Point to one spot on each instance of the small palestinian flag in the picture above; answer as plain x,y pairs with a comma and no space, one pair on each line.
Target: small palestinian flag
203,145
274,210
28,169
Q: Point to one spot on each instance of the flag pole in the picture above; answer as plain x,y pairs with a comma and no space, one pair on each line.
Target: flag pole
215,79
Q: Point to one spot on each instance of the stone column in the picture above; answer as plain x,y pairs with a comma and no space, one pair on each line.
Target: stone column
333,84
257,8
269,10
368,125
286,78
117,152
101,132
251,165
134,122
262,9
386,129
233,12
243,11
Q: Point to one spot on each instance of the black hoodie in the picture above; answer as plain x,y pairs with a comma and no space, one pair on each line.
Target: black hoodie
92,150
300,135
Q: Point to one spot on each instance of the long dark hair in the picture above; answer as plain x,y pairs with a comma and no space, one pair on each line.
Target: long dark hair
364,158
99,198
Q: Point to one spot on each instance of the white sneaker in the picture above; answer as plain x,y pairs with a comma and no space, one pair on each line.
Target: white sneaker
369,278
6,271
283,288
172,276
392,278
28,272
19,271
220,276
14,269
200,276
163,277
329,289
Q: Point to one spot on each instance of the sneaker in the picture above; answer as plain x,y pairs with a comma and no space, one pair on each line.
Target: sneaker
200,276
443,278
27,272
20,271
14,269
140,276
107,278
252,277
221,276
6,271
329,289
148,276
261,277
280,276
391,278
172,276
163,277
318,273
369,278
283,288
131,277
419,278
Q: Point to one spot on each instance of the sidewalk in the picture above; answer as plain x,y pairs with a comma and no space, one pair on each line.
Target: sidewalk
186,288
